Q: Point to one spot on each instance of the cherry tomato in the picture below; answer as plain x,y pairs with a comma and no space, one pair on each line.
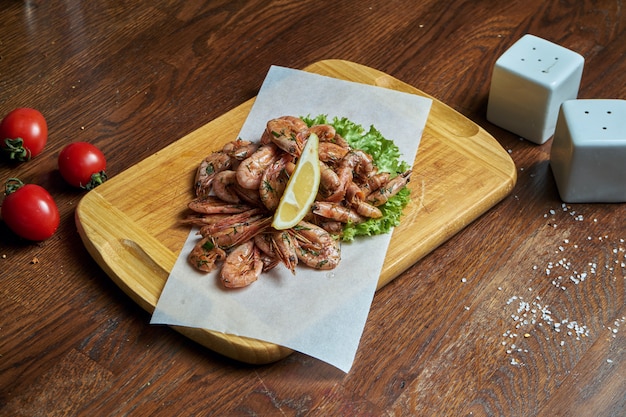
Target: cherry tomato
82,165
23,133
29,210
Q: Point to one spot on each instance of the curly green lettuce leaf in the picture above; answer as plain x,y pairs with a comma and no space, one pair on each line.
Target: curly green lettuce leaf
386,156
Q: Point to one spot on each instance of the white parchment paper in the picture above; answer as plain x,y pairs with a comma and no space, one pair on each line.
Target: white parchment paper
319,313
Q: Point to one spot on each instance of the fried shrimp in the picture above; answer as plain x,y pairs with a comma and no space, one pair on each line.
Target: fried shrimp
238,189
251,169
316,247
211,165
242,266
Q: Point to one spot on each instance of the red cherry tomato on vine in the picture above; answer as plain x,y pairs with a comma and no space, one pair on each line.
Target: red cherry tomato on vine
23,134
82,165
29,210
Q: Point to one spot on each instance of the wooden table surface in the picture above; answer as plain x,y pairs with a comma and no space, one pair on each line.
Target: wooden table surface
522,313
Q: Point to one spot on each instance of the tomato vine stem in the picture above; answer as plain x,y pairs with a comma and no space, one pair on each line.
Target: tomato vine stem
12,185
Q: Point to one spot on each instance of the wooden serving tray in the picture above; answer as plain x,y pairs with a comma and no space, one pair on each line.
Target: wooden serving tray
130,224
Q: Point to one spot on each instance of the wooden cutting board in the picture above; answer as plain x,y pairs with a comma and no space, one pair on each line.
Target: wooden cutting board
130,224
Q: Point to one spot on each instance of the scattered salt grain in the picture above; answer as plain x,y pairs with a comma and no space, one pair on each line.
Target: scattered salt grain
563,273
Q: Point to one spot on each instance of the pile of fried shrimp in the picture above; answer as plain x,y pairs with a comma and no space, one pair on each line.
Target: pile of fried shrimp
238,188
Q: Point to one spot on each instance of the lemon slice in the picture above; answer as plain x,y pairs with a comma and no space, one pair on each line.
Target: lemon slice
301,188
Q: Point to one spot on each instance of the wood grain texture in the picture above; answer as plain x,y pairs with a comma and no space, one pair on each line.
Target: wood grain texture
447,337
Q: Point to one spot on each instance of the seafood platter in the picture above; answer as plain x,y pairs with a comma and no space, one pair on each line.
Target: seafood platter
135,229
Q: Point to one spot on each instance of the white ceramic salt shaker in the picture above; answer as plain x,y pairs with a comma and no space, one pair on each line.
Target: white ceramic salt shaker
588,154
530,80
